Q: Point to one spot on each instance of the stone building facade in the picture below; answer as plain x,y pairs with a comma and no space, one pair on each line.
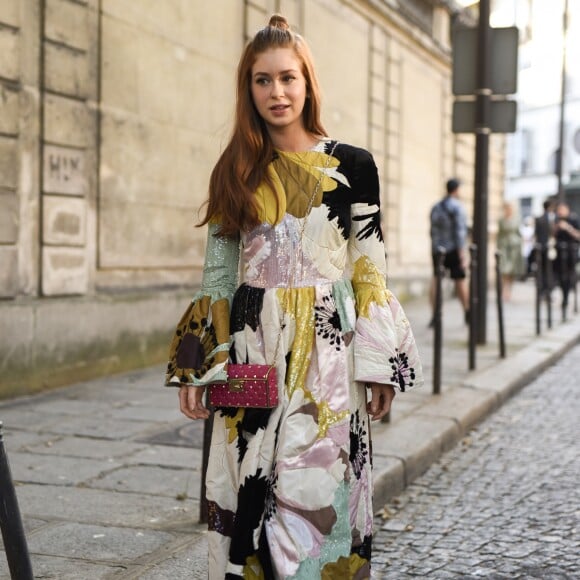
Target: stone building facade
112,113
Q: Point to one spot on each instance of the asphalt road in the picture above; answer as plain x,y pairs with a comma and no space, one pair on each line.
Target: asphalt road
505,503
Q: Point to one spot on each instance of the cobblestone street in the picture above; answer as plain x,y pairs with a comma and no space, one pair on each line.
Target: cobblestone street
505,503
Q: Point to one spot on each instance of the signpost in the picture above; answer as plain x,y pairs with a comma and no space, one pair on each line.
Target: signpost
484,72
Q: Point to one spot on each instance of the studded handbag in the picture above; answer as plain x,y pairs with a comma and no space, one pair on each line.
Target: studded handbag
247,386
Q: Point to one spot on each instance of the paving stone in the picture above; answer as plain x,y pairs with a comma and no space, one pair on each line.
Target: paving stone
55,568
146,479
86,447
33,468
188,564
189,458
101,427
89,542
101,507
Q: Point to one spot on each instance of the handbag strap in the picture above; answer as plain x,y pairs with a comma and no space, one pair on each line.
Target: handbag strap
291,276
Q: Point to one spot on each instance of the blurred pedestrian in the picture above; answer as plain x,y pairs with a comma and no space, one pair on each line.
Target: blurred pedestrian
567,234
544,234
296,215
449,232
509,244
527,231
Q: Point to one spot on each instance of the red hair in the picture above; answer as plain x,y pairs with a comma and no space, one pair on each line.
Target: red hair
241,168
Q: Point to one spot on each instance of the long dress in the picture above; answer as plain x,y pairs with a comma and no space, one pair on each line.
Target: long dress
290,488
509,244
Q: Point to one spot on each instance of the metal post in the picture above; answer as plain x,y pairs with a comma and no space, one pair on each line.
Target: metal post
11,522
499,298
473,301
565,276
539,264
437,321
548,287
575,276
207,430
482,132
560,155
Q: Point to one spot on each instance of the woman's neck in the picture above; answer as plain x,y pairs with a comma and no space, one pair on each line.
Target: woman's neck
294,141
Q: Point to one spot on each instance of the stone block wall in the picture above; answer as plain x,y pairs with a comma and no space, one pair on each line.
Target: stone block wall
112,114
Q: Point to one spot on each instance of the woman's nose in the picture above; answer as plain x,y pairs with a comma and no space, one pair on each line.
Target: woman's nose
277,89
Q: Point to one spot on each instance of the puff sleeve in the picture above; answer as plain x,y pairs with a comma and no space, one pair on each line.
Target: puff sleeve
385,351
198,354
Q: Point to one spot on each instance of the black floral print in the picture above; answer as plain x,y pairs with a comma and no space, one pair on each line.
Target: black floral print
328,322
251,497
270,505
403,374
358,447
372,228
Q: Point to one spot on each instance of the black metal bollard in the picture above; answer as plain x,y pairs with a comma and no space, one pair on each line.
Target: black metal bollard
473,301
575,248
539,265
549,283
564,276
207,429
11,522
437,321
499,298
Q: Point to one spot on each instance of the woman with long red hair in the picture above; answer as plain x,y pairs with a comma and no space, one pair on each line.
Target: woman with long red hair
294,279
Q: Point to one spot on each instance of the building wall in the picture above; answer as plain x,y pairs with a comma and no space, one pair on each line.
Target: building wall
112,113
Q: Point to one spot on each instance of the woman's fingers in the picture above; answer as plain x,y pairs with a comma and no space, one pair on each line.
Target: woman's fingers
191,402
381,398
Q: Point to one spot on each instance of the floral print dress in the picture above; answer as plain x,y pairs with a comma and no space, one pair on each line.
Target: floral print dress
290,488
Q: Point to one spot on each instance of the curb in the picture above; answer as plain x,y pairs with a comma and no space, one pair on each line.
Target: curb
440,423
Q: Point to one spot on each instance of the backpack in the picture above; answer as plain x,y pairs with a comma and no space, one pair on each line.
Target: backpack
443,218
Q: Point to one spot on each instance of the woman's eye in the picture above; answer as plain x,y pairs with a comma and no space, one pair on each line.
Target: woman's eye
262,81
288,78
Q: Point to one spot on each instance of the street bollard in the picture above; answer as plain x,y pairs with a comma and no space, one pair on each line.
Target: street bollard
207,429
564,275
437,321
549,283
499,298
13,535
538,262
575,249
473,301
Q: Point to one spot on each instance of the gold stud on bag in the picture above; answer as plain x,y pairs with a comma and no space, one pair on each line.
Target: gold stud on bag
256,385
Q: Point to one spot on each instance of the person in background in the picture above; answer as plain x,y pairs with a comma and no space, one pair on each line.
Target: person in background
449,232
567,235
527,230
544,234
294,279
509,244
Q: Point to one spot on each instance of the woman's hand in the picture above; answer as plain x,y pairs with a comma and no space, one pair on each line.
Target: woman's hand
380,403
191,402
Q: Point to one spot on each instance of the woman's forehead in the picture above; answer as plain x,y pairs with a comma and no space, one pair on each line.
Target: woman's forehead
275,60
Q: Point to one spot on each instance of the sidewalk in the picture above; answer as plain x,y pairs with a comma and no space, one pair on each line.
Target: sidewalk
108,471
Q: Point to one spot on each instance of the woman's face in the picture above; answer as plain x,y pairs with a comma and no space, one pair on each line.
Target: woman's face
279,88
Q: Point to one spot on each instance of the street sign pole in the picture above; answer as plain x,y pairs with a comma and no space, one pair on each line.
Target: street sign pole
482,131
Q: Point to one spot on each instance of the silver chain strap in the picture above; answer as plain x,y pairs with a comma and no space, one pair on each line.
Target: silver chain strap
291,277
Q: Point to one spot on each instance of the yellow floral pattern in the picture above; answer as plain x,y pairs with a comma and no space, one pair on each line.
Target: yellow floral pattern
294,176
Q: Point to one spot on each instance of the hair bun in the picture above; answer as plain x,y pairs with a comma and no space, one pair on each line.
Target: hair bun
278,21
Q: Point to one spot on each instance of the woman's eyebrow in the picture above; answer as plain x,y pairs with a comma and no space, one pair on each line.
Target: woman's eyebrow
282,72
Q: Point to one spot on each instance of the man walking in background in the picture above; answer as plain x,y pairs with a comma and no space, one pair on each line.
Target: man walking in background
449,232
544,233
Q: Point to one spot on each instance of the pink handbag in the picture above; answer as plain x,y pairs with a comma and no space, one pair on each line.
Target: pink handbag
248,385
